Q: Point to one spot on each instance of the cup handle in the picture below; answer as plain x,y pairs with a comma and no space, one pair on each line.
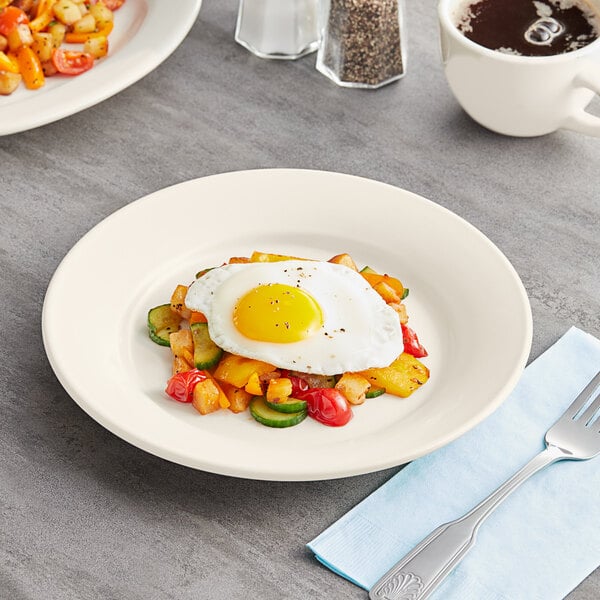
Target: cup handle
581,120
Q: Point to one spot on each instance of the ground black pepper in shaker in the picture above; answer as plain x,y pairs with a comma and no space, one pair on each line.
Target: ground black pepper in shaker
362,43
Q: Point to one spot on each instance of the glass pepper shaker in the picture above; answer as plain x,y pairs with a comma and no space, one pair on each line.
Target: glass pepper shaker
363,42
280,29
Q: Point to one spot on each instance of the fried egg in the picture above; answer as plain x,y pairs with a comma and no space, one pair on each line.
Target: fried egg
309,316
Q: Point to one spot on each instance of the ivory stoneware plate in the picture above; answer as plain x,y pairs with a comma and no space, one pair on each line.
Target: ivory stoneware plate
466,302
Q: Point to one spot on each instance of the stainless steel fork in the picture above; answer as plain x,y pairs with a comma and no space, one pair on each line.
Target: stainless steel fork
575,436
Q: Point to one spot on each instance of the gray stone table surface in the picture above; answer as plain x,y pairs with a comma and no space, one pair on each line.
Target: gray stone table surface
85,515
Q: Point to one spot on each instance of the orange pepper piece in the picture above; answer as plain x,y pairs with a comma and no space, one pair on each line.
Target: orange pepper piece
30,68
375,278
197,317
43,16
81,38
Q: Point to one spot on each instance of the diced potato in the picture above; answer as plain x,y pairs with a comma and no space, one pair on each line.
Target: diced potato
66,11
344,259
96,46
101,14
253,386
87,24
19,36
279,390
401,378
239,399
178,302
236,370
57,31
400,308
49,68
387,292
3,43
182,345
223,399
266,257
354,387
206,397
179,365
9,82
83,8
43,45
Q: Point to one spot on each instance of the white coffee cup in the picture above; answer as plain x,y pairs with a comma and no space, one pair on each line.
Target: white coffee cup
520,95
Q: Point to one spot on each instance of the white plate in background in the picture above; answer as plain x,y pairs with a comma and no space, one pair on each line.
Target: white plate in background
146,32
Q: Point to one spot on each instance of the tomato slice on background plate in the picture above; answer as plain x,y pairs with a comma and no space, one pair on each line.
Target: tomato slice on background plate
69,62
10,18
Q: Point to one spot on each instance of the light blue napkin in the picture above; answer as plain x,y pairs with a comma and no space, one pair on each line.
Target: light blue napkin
538,545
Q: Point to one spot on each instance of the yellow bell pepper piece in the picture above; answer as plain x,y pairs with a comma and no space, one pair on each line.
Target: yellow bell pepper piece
237,370
253,386
8,63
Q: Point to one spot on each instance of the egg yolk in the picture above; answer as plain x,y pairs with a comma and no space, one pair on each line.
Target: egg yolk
277,313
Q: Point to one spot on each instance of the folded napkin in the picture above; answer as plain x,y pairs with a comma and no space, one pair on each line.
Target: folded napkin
540,543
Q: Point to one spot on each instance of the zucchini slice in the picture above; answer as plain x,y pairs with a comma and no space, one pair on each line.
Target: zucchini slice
374,391
206,353
368,269
274,418
290,405
162,322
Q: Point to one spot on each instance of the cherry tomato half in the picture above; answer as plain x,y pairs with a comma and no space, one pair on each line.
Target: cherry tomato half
111,4
411,343
181,386
69,62
327,405
10,18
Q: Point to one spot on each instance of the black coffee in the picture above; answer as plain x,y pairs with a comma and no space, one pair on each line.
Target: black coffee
530,27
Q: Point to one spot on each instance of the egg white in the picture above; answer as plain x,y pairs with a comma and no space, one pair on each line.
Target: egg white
359,329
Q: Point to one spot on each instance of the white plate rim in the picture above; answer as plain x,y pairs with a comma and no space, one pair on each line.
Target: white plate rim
271,472
165,26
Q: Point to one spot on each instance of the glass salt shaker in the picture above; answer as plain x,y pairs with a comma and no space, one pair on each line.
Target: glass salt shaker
362,42
280,29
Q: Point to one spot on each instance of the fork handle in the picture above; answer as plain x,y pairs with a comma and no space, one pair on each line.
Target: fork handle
417,575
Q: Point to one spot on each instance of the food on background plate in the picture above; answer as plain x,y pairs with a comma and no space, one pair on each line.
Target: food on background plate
42,38
287,338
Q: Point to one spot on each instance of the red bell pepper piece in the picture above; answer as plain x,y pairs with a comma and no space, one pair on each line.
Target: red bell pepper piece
411,343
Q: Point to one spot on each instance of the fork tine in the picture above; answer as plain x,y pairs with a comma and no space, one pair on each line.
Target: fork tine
583,397
590,411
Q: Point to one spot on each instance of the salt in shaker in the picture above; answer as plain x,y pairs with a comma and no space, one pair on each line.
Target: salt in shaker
281,29
363,42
